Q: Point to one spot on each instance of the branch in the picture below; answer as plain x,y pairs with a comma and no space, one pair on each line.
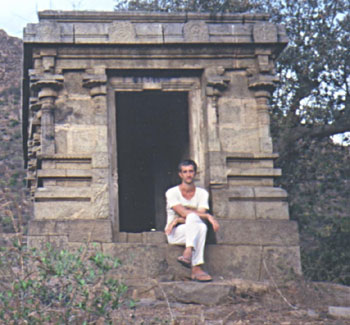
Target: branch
287,142
322,131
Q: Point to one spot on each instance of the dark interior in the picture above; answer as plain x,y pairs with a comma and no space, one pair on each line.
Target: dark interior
152,137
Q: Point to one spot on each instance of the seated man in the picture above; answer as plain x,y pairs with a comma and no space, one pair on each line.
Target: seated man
187,207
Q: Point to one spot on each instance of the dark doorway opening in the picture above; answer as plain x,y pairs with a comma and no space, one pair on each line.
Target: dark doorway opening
152,137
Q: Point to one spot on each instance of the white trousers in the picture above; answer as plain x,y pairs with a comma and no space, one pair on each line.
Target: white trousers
192,233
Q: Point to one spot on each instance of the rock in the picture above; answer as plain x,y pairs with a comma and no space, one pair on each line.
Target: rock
312,313
343,312
196,293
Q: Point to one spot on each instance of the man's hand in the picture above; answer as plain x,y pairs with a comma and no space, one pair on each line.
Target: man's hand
213,222
173,224
170,227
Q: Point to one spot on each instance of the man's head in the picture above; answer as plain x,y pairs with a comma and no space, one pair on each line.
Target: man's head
187,162
187,171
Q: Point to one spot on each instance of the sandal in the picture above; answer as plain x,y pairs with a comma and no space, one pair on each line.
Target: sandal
186,262
201,277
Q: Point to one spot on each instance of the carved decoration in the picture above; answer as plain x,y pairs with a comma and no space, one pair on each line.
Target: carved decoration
96,83
121,32
45,88
217,82
196,31
265,82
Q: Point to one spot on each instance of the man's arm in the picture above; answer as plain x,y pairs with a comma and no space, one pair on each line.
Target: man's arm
174,223
201,212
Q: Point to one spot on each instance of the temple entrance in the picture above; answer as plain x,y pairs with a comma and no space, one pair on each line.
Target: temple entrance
152,137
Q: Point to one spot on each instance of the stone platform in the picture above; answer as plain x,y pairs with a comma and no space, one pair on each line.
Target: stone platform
253,250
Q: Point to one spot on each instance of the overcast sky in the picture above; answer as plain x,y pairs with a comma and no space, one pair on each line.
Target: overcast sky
16,14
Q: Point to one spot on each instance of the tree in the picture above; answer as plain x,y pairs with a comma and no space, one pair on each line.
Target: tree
311,104
313,99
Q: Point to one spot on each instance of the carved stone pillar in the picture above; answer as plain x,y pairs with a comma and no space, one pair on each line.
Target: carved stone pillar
47,88
216,82
263,85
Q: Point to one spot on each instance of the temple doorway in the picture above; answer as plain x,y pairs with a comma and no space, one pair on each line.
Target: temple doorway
152,137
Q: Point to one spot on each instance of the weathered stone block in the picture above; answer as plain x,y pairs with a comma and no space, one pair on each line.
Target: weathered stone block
86,139
90,33
197,293
233,261
100,200
100,176
339,312
196,31
92,231
270,192
135,237
62,210
237,87
61,192
280,262
173,32
39,242
149,32
60,139
250,181
90,248
121,32
265,33
245,140
122,237
154,237
138,260
272,210
100,160
73,81
77,110
240,210
75,230
257,232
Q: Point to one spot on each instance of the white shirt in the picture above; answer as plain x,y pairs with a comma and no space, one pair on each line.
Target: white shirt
174,197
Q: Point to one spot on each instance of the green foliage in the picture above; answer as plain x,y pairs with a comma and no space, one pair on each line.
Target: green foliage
310,104
318,186
57,286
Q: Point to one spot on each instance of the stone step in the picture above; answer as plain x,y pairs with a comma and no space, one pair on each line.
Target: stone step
190,292
249,262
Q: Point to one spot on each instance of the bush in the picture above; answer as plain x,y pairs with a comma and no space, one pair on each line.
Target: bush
57,286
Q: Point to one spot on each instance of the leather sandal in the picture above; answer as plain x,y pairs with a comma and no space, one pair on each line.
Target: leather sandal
186,262
201,277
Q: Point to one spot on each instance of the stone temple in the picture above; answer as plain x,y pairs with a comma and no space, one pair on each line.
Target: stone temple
112,101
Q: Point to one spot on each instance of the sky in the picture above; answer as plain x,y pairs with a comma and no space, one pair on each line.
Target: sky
16,14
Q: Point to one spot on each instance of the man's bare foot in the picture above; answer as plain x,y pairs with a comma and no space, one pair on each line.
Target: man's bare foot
186,257
187,253
199,275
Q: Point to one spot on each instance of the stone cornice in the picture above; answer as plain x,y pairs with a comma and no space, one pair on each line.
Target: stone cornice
93,27
139,16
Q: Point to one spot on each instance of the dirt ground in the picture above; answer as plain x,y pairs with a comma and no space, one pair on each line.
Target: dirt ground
291,303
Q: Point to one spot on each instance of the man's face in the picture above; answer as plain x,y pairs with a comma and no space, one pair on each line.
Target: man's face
187,174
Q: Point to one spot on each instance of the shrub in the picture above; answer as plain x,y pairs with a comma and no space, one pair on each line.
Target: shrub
57,286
